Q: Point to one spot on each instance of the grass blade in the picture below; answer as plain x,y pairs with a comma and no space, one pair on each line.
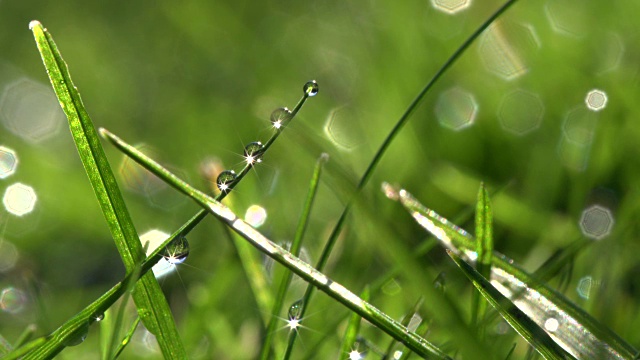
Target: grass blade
578,332
285,279
351,333
299,267
484,248
526,327
150,301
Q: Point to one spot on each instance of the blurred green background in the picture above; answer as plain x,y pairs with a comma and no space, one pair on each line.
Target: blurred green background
195,81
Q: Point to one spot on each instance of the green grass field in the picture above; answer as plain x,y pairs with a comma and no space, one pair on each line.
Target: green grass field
542,108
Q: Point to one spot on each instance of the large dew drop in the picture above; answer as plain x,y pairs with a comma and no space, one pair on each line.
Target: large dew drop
177,251
225,180
78,336
295,310
280,116
253,152
311,88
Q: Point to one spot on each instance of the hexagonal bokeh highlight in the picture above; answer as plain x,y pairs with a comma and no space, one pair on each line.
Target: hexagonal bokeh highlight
568,17
8,162
30,110
520,112
596,100
505,48
451,6
579,126
255,216
19,199
610,52
138,179
596,222
456,109
12,300
343,128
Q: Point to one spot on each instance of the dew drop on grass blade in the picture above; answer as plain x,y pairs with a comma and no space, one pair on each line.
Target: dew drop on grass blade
569,326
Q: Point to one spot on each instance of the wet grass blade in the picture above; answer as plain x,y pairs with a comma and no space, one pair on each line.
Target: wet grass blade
353,328
268,247
150,301
578,332
285,279
484,248
518,320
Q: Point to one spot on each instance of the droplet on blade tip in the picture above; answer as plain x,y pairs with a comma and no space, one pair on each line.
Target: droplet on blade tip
33,24
311,88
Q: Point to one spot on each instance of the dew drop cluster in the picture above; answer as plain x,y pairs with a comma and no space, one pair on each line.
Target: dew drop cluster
254,151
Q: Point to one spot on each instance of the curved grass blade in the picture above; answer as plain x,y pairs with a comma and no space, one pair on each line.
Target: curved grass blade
326,252
520,322
577,332
150,301
484,248
353,327
299,267
285,278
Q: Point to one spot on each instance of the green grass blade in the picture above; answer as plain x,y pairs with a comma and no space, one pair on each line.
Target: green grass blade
25,336
285,278
578,332
484,248
518,320
150,301
353,328
299,267
127,338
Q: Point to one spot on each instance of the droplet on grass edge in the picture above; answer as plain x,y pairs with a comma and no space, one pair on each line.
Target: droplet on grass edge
33,24
310,88
253,152
280,116
295,310
177,251
225,179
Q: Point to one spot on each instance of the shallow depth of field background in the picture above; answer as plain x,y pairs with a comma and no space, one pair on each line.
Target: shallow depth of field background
193,82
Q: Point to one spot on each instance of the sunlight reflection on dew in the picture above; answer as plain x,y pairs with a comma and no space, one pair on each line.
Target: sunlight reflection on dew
520,112
255,215
30,110
12,300
451,6
505,48
8,162
596,100
456,109
596,222
8,255
19,199
155,238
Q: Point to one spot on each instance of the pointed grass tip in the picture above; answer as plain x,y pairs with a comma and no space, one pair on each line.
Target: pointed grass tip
33,24
390,191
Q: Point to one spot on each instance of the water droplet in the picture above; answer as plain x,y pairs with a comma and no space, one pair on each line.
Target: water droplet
311,88
253,152
78,336
98,317
280,116
295,310
360,349
225,179
177,251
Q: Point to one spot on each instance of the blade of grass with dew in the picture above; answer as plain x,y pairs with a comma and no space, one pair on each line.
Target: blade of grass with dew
352,330
49,346
150,301
578,332
405,321
299,267
333,237
422,331
519,321
285,279
484,249
115,329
